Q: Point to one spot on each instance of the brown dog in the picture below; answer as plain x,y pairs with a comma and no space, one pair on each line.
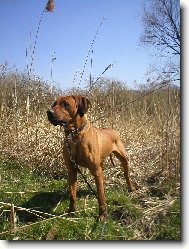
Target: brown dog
89,146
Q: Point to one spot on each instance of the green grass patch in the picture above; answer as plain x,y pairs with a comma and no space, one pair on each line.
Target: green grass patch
46,195
168,225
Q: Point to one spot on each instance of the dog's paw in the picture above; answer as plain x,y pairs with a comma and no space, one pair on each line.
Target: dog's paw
71,211
132,188
101,217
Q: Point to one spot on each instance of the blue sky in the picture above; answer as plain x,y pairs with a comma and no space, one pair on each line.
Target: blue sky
68,32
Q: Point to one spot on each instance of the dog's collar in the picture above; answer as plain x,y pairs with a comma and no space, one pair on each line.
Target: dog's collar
73,134
82,127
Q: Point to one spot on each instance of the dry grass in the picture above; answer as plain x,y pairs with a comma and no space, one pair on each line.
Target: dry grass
149,128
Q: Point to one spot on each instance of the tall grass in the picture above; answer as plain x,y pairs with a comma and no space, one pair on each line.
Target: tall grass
149,126
148,121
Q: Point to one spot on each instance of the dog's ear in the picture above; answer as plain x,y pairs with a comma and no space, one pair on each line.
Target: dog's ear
82,104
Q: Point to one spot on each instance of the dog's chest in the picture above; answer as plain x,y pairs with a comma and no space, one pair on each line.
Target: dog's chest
82,153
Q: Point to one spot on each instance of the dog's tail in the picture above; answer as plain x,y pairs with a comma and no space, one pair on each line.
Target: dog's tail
111,159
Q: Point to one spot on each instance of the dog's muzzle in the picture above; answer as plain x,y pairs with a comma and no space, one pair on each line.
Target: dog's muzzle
53,120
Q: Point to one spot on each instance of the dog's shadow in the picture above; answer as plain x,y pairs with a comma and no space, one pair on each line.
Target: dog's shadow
45,202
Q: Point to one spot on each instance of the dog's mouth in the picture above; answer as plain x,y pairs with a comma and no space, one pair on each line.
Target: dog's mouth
54,121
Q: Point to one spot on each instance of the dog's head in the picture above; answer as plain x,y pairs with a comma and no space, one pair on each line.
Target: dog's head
66,108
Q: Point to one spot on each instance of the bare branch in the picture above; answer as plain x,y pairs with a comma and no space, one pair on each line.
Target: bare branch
161,21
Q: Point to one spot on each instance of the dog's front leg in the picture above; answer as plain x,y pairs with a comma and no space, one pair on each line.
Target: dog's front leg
99,180
72,181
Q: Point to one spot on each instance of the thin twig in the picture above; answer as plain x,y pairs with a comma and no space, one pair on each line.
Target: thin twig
91,46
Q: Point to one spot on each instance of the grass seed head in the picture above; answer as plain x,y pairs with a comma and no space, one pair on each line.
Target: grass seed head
50,6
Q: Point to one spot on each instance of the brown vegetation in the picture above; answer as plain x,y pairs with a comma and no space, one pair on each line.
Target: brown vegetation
147,119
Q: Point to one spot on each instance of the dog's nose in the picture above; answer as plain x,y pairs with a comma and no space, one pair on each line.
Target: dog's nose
51,118
50,114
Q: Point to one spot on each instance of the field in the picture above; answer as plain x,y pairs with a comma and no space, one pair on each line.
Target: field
33,178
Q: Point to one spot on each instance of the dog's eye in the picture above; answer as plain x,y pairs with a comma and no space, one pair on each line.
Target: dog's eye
53,104
65,105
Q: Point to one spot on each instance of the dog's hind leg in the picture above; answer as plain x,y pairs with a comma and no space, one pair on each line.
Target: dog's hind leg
121,154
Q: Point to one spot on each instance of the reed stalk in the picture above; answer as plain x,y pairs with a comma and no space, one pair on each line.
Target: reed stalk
48,8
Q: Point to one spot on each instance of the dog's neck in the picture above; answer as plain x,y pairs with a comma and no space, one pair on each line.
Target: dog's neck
78,125
80,122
